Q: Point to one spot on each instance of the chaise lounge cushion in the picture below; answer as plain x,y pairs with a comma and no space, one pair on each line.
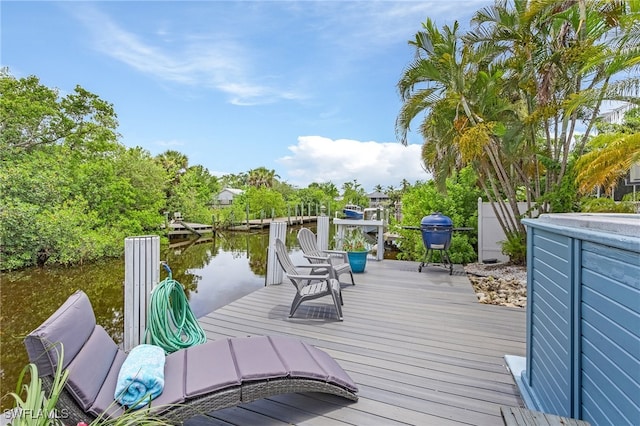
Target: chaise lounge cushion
90,367
88,350
256,358
172,394
211,367
71,324
306,361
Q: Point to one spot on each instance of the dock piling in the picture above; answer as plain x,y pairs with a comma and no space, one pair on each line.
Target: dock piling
274,271
141,274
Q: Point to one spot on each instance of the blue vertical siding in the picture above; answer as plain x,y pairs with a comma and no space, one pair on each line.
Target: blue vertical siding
583,318
610,338
550,328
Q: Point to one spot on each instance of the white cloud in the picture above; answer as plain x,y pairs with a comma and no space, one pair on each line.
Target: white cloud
320,159
214,61
365,26
169,143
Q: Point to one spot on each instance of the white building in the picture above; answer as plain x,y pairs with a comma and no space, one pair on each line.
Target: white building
616,115
377,198
226,196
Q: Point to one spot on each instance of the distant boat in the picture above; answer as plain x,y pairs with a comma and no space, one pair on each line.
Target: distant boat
352,211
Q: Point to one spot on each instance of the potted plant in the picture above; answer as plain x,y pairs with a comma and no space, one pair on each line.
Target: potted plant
357,248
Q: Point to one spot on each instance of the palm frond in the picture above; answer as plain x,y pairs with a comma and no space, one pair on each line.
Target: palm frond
608,162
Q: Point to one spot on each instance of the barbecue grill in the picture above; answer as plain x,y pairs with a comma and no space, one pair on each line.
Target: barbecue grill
436,235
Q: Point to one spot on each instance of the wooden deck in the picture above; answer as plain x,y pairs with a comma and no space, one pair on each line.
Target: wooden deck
266,222
419,346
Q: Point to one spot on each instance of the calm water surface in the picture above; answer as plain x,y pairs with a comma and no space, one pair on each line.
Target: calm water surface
214,273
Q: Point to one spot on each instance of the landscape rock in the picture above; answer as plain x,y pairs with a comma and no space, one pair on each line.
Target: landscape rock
502,284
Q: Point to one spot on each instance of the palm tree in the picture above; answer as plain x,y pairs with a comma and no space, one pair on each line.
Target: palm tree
261,177
507,96
175,164
234,180
559,59
462,97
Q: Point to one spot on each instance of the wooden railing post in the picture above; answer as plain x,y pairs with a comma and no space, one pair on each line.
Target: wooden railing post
277,230
141,274
323,233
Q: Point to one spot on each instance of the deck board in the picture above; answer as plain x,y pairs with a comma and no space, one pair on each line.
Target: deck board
420,347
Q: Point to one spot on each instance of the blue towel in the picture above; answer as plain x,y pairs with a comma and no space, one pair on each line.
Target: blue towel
141,377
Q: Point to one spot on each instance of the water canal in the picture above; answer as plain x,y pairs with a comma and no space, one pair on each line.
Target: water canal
214,273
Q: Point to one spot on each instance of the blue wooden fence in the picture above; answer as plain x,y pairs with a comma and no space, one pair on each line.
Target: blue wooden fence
583,317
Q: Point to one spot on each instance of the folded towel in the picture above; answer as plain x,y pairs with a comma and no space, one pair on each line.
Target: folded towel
141,377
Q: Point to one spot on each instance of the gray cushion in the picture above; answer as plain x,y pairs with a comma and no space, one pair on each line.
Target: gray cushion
296,357
335,373
306,361
71,325
210,367
104,401
173,392
256,358
90,367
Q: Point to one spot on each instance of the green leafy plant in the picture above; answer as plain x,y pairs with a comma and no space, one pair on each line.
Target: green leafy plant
606,205
515,246
459,202
142,416
354,240
37,408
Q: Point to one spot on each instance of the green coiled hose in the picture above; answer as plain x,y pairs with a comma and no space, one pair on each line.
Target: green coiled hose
171,323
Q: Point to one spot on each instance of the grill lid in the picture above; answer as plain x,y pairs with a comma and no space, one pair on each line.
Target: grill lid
436,219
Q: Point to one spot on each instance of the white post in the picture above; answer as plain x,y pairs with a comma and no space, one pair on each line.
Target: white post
141,273
480,231
322,236
380,251
277,230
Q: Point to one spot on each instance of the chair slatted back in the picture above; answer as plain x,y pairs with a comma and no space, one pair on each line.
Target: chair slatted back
283,258
307,241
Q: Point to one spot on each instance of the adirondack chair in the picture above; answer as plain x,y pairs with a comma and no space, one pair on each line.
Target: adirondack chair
337,258
211,376
319,281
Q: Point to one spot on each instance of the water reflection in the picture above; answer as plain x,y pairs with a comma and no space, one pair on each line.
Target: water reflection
214,272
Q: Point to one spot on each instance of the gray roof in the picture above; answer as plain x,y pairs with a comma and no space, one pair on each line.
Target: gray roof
233,191
377,194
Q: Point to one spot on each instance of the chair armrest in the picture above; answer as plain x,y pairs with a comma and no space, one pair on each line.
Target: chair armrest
338,253
311,256
315,265
309,277
335,251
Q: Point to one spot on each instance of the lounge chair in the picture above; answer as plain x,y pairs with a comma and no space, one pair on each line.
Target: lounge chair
320,280
337,258
198,380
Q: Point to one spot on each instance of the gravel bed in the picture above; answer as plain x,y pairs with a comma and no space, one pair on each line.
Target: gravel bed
502,284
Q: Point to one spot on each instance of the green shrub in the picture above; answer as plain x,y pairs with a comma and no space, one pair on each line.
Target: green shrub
606,205
515,246
460,203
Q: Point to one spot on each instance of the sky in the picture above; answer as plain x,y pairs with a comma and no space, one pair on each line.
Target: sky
305,88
